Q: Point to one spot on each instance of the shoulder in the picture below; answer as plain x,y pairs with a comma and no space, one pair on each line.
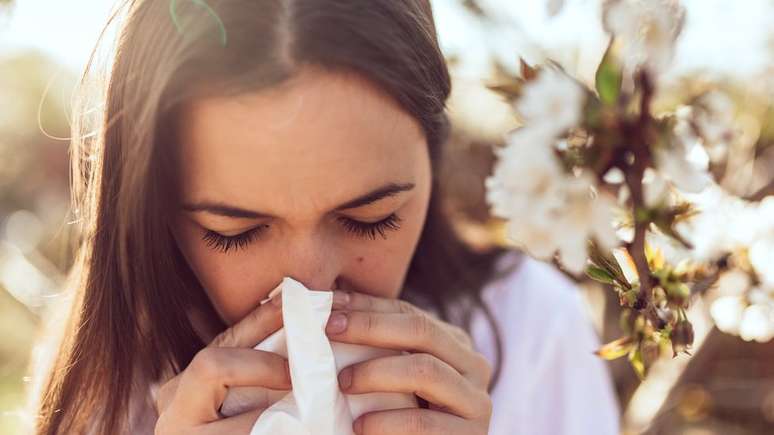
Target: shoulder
540,312
533,295
550,379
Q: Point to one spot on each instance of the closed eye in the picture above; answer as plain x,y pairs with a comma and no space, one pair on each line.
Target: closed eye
366,230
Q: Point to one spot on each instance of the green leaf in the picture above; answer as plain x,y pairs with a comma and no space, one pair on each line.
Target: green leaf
609,76
635,359
616,349
600,275
609,263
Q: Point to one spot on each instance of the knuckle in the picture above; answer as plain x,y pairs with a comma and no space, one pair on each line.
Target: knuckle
488,370
462,335
484,367
257,315
227,338
205,364
403,307
422,328
371,323
425,367
483,407
420,423
370,304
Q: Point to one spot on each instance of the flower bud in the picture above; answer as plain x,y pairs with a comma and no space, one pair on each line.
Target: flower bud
678,293
681,337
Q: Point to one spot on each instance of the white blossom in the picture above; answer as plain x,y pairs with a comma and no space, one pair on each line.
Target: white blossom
714,117
762,245
554,7
724,223
749,316
744,310
549,210
527,170
709,122
729,224
757,323
552,102
685,163
647,28
583,216
655,188
727,313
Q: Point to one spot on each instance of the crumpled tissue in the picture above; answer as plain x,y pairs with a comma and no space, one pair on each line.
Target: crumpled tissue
315,405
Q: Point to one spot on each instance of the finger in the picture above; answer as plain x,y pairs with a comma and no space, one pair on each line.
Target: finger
355,301
415,422
204,383
254,327
242,423
421,374
242,399
165,394
415,332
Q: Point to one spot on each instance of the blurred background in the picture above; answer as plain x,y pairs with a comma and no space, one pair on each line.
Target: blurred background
726,387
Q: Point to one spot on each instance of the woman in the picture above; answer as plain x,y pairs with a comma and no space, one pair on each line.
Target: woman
246,141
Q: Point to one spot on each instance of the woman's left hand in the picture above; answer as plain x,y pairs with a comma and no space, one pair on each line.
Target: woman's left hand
442,368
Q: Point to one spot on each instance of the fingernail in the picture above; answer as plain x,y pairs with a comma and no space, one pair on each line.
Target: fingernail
337,323
340,299
345,378
277,300
358,426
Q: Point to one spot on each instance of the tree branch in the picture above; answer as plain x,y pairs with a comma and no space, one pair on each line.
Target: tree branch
639,137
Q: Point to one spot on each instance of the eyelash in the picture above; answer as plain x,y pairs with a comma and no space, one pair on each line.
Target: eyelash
223,243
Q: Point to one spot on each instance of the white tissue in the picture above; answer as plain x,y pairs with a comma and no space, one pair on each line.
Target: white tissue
315,406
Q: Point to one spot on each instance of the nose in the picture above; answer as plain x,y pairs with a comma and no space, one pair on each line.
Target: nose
313,261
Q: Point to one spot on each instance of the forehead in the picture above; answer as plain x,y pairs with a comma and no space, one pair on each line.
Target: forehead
315,140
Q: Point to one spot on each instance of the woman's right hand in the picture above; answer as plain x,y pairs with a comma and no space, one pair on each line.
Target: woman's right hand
190,402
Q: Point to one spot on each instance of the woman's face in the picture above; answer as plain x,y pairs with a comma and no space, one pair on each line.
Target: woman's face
301,175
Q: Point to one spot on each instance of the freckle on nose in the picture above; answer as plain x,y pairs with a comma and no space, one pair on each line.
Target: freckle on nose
359,259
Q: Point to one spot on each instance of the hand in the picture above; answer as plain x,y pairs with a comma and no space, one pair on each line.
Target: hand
442,369
190,402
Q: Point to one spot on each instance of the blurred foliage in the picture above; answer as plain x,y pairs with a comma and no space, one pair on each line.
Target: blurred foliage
33,204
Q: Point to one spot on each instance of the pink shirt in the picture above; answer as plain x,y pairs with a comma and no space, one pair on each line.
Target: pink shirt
550,382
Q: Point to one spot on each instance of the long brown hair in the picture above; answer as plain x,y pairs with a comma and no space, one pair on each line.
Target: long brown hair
132,289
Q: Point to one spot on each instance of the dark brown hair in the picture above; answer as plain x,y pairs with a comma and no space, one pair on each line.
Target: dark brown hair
132,289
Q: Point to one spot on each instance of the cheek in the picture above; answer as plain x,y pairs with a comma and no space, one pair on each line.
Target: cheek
380,269
232,285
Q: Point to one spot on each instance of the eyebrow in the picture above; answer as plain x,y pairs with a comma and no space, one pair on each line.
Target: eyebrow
226,210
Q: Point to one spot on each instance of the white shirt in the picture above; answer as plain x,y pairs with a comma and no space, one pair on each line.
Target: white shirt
550,383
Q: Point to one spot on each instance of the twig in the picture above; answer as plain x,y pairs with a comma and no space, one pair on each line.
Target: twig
638,135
